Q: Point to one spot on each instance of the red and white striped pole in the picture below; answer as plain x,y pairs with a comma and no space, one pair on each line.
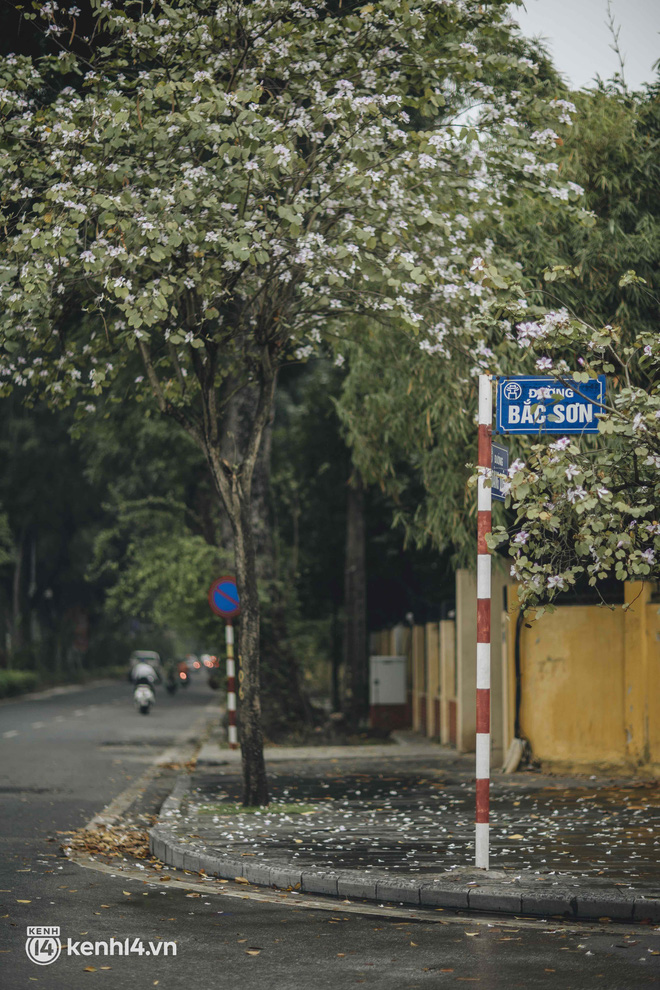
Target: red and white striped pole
481,838
231,684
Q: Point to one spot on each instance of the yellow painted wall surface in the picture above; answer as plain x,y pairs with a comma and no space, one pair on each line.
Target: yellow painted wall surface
572,677
653,654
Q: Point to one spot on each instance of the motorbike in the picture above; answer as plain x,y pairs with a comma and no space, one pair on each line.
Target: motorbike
144,698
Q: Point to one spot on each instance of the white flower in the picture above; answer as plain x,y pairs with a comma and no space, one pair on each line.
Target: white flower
649,556
282,153
556,581
572,471
478,265
560,444
521,537
544,364
517,465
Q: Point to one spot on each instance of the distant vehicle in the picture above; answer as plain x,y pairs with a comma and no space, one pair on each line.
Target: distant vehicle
210,661
171,677
144,698
183,673
146,656
192,662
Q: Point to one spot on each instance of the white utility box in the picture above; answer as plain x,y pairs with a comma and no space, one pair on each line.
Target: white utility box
388,692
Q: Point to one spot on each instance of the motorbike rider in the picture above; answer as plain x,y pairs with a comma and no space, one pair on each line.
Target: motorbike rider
144,673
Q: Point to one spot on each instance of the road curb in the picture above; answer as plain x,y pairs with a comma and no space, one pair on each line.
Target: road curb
468,890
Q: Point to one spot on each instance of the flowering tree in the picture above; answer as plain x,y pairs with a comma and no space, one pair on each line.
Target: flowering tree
589,506
218,187
415,432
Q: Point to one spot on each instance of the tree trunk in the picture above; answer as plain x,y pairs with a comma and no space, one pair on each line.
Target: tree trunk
232,468
255,783
355,605
236,427
283,696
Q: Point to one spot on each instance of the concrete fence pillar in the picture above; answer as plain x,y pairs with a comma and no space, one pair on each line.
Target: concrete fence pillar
447,632
432,680
419,679
637,596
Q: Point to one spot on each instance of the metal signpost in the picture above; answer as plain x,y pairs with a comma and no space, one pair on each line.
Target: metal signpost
481,841
528,404
224,601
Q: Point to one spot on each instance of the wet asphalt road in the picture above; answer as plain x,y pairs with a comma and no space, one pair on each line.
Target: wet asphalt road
67,756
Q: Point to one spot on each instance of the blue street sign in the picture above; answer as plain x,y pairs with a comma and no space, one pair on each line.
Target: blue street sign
539,404
223,597
499,466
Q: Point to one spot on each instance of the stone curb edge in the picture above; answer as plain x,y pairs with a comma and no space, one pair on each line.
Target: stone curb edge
588,903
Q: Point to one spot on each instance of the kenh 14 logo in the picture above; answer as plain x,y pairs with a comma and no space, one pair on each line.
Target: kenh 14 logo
43,944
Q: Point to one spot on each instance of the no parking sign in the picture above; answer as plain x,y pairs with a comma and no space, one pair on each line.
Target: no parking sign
223,597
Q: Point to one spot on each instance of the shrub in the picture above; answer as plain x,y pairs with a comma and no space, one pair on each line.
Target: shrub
14,682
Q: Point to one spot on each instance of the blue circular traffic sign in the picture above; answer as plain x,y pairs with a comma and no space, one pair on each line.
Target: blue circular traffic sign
223,597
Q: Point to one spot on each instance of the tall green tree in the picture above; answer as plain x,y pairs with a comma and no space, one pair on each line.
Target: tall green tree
223,186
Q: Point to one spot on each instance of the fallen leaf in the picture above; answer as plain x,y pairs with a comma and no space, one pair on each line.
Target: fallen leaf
471,933
341,955
240,880
23,902
515,836
252,952
89,969
126,893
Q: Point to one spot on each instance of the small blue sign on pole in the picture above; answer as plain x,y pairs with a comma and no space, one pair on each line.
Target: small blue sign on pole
499,465
540,404
223,597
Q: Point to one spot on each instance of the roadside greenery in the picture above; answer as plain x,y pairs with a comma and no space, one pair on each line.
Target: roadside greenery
221,188
589,506
13,682
570,300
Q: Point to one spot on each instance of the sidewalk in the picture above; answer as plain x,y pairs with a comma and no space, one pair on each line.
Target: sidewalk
394,823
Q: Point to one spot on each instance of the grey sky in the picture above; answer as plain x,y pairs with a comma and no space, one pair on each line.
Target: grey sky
579,39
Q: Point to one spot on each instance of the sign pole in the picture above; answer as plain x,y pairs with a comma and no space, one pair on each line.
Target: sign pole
231,684
224,601
484,525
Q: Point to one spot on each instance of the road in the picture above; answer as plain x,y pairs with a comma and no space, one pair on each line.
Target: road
67,756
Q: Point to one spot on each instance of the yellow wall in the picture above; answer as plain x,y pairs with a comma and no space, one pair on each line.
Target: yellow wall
591,681
572,679
653,653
